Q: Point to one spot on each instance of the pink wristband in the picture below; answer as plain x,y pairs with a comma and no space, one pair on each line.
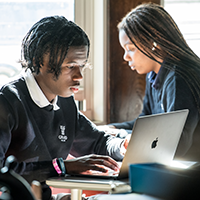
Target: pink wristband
56,167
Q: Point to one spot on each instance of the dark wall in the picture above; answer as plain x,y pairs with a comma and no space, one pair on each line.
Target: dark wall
126,88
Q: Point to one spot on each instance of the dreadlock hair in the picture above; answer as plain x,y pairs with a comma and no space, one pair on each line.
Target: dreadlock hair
149,23
53,35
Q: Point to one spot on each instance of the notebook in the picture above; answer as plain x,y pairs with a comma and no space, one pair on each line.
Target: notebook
154,139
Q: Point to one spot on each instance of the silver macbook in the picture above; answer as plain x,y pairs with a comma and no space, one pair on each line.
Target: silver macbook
154,139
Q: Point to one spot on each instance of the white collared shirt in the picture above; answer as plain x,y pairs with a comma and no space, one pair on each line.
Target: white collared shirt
36,93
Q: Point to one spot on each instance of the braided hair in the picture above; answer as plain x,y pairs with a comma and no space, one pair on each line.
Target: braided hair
53,35
149,23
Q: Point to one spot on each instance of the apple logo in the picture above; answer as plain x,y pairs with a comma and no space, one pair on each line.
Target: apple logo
154,143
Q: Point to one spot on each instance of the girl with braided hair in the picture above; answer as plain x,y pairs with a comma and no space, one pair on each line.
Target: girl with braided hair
154,45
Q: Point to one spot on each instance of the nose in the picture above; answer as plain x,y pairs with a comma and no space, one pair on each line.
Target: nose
78,74
126,56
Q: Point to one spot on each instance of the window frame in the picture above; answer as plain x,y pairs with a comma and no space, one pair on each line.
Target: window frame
91,16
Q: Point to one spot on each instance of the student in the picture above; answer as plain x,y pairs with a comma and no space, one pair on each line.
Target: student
39,121
154,45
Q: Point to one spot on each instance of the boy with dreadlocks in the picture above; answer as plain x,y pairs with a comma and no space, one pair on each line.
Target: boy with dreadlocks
39,121
154,45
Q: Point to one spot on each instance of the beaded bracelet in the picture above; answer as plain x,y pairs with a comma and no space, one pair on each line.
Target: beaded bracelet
59,166
56,167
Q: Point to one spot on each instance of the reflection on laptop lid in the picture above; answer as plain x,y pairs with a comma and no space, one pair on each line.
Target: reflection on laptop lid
154,138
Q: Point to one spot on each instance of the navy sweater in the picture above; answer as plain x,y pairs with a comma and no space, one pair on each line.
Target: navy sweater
169,91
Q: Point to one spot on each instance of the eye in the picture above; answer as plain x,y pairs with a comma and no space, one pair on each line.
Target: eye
70,67
82,66
130,49
73,66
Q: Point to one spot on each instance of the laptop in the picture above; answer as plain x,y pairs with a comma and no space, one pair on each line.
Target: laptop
154,139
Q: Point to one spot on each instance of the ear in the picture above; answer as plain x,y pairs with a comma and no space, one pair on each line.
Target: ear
154,46
34,64
33,61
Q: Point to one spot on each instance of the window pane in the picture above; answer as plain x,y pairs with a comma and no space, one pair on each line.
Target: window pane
16,19
187,16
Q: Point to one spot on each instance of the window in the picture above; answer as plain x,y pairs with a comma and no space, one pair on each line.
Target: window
17,17
187,16
91,16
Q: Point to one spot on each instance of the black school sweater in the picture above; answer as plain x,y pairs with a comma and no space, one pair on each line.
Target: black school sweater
36,135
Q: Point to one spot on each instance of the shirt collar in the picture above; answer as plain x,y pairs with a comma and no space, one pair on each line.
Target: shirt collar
36,93
158,79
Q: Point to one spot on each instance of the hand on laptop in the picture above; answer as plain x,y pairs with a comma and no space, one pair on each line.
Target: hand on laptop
124,144
90,162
